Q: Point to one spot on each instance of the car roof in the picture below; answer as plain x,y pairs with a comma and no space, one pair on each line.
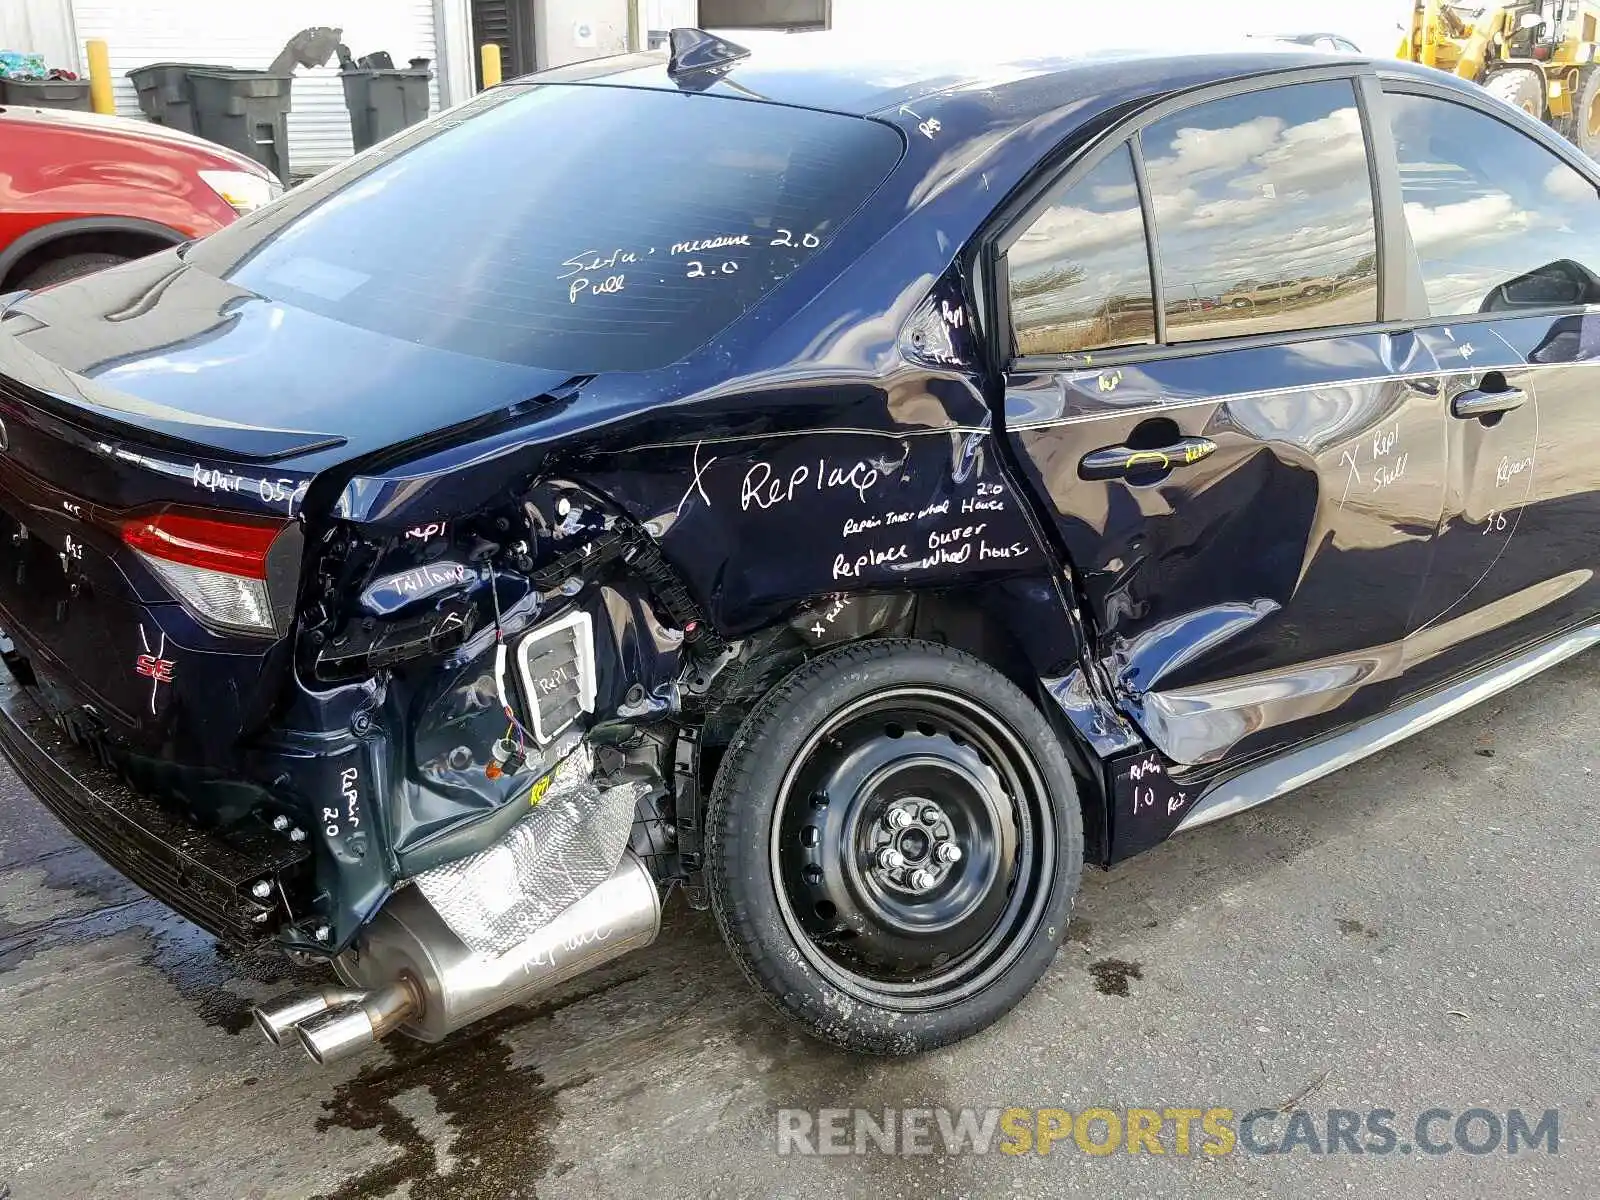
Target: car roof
841,74
1304,37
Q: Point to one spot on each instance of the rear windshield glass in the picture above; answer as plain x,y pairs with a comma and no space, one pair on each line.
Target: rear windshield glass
576,228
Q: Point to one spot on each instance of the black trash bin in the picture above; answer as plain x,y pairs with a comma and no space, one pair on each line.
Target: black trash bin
246,111
165,95
383,102
47,93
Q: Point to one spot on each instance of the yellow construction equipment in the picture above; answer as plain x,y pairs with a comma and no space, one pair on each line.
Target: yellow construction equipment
1538,55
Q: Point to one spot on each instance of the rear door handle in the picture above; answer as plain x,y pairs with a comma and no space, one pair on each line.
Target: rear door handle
1471,405
1118,462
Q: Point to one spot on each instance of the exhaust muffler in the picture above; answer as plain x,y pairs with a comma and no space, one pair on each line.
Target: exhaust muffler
408,971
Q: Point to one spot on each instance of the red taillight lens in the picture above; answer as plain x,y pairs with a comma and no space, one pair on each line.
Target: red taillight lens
216,565
235,546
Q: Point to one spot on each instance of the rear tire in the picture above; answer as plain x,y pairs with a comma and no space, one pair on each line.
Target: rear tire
1583,127
918,749
68,266
1519,87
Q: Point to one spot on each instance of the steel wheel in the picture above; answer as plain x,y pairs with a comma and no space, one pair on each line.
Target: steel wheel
893,845
908,844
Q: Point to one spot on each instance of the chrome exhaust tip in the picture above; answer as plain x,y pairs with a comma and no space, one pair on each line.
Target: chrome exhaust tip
350,1028
278,1018
337,1033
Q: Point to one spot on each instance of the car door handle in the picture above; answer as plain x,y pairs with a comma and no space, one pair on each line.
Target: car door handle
1118,462
1469,406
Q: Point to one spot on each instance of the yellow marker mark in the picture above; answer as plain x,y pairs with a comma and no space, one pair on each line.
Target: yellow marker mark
537,792
1148,458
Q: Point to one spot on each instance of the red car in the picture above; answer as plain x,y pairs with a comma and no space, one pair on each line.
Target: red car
79,192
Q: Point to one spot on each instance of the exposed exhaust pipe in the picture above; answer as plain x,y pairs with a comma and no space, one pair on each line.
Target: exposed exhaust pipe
340,1032
409,972
278,1018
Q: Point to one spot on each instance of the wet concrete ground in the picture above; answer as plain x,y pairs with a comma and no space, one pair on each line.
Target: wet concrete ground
1422,930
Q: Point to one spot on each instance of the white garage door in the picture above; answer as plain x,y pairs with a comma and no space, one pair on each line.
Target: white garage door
250,35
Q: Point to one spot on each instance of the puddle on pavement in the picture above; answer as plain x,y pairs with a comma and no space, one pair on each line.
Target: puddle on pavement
1347,926
500,1115
1111,975
197,966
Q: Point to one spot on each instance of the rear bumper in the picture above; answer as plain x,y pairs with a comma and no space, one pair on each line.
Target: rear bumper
199,874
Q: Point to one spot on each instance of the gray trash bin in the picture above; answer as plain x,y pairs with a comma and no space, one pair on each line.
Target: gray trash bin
383,102
46,93
165,95
246,111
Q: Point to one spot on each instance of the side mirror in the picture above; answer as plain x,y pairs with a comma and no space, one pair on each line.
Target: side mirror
1560,284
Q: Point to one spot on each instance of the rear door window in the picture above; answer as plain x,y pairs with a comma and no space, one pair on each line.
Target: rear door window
580,228
1263,213
1498,221
1080,273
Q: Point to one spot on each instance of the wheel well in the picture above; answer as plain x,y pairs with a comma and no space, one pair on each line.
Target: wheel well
129,243
958,619
955,619
948,618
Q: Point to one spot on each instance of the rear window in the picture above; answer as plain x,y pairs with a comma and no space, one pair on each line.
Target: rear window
575,228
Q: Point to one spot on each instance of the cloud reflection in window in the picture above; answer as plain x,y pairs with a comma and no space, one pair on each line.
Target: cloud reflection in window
1486,205
1263,210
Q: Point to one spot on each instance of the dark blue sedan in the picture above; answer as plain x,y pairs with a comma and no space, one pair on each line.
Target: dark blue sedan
852,493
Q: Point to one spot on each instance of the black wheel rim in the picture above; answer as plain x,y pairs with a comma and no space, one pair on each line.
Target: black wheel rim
912,848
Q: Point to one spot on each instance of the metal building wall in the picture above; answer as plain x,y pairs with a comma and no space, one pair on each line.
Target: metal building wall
250,35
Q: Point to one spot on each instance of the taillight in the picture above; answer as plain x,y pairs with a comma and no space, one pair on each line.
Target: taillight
216,565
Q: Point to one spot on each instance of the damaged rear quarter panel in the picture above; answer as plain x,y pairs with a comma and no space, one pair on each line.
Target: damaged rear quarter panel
759,526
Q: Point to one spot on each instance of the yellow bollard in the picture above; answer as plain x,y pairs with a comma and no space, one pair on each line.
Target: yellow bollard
100,76
491,64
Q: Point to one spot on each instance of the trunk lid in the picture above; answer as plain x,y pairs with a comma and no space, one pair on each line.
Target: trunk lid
156,388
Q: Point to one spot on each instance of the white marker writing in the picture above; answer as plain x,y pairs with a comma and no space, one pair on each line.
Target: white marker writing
1509,470
851,568
586,261
716,243
609,286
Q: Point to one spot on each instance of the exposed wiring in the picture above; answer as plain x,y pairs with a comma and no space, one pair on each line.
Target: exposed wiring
500,665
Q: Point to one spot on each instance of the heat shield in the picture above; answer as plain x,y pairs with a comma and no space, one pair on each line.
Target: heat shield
569,845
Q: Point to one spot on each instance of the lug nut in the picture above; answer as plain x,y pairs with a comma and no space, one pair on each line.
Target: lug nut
280,822
297,835
922,879
261,890
891,859
261,918
931,816
897,818
948,852
322,933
